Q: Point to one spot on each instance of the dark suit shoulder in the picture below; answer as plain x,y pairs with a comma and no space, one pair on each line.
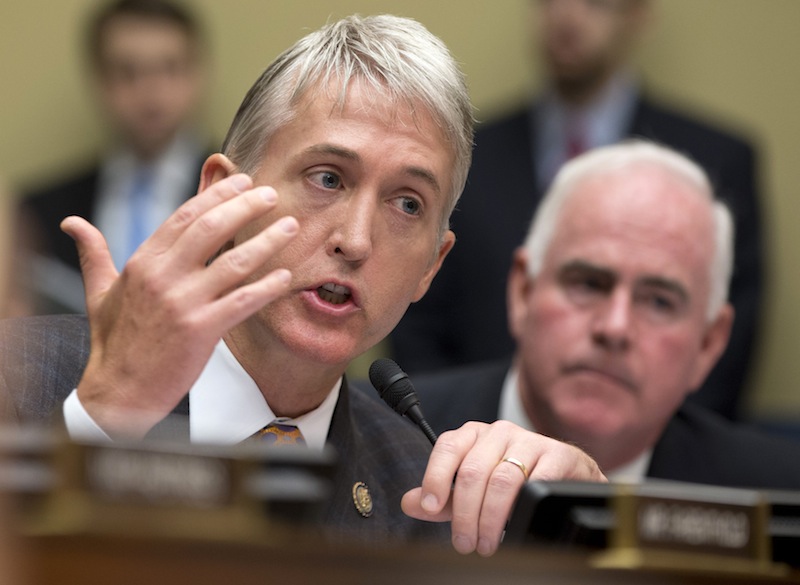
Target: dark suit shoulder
687,132
451,397
500,127
42,359
701,446
76,181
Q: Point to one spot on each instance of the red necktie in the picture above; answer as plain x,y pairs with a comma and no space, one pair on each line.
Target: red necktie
576,140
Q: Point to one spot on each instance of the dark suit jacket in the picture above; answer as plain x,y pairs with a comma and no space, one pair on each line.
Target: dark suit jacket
697,445
463,320
42,360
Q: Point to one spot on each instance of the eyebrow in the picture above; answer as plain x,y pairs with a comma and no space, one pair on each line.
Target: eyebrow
346,153
668,284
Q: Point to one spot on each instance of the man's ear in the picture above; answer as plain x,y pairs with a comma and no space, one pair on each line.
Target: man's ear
715,340
448,241
519,285
217,167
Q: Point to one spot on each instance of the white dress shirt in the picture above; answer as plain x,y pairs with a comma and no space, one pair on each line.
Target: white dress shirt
225,407
511,409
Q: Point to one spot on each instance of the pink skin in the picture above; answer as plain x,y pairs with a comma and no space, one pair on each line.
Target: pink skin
613,333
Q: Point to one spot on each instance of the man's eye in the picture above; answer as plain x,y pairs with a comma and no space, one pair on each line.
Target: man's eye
409,205
586,283
327,179
661,303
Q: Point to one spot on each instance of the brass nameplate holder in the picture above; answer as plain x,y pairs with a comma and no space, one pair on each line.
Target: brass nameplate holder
174,490
662,527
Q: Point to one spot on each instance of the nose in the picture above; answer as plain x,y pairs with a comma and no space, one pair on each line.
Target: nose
352,236
612,322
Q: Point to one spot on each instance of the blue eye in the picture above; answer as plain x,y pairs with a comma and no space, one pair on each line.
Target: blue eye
409,205
326,179
330,181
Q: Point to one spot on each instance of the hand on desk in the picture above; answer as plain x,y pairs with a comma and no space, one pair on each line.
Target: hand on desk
154,325
480,500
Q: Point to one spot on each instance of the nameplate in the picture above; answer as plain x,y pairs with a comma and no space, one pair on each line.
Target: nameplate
180,489
669,525
698,527
157,478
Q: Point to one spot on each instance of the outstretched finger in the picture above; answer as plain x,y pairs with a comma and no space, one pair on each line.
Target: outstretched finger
188,213
97,267
220,224
235,266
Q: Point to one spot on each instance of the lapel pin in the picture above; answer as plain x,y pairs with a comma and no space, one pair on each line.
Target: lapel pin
362,499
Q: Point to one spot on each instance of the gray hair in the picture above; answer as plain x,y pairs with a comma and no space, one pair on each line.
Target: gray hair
397,56
613,159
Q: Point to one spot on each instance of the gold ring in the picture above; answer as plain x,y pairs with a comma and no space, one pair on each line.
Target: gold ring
518,464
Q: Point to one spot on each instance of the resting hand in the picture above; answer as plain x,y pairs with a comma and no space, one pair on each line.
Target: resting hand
479,503
154,326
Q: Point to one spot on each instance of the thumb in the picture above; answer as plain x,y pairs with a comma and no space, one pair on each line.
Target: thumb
411,504
97,267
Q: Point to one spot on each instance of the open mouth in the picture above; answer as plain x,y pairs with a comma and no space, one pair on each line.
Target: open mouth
335,294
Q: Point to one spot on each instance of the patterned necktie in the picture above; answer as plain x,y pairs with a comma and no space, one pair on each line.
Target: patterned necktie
279,434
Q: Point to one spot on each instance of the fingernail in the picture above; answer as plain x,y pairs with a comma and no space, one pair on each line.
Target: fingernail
284,276
268,194
462,544
430,503
484,547
241,182
288,225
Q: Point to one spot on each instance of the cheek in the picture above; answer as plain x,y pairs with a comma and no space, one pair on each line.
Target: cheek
550,332
670,350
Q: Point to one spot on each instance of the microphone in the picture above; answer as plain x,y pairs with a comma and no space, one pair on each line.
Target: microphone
396,390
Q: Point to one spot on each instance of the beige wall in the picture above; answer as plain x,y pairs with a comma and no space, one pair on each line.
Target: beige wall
735,58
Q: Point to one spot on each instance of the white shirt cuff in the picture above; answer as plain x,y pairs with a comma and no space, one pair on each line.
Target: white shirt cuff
79,424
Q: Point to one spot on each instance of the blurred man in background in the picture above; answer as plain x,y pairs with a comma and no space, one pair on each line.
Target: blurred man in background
591,97
146,61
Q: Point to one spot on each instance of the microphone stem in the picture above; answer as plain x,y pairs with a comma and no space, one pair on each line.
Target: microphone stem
426,428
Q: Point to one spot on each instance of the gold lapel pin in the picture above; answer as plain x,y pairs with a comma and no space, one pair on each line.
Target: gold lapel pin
362,499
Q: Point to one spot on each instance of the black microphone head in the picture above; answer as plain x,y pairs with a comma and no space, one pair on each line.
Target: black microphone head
391,382
396,390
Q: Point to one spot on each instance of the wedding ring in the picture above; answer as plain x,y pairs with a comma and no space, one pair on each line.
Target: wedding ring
518,464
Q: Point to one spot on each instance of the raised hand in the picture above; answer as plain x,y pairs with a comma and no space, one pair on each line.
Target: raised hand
154,325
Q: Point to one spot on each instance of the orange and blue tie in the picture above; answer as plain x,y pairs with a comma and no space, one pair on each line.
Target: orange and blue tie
280,434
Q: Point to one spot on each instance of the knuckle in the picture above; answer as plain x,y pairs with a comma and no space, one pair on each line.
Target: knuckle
184,216
447,443
503,480
208,224
470,473
236,261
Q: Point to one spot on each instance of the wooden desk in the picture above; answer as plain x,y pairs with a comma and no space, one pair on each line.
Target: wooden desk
122,560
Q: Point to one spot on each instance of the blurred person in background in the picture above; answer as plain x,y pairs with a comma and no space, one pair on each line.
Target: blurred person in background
147,68
618,309
591,97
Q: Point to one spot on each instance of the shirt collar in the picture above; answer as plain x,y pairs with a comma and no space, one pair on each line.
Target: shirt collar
226,405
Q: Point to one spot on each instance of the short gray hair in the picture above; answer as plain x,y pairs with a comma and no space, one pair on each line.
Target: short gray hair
396,55
613,159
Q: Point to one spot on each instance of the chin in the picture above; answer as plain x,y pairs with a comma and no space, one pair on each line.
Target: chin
585,422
